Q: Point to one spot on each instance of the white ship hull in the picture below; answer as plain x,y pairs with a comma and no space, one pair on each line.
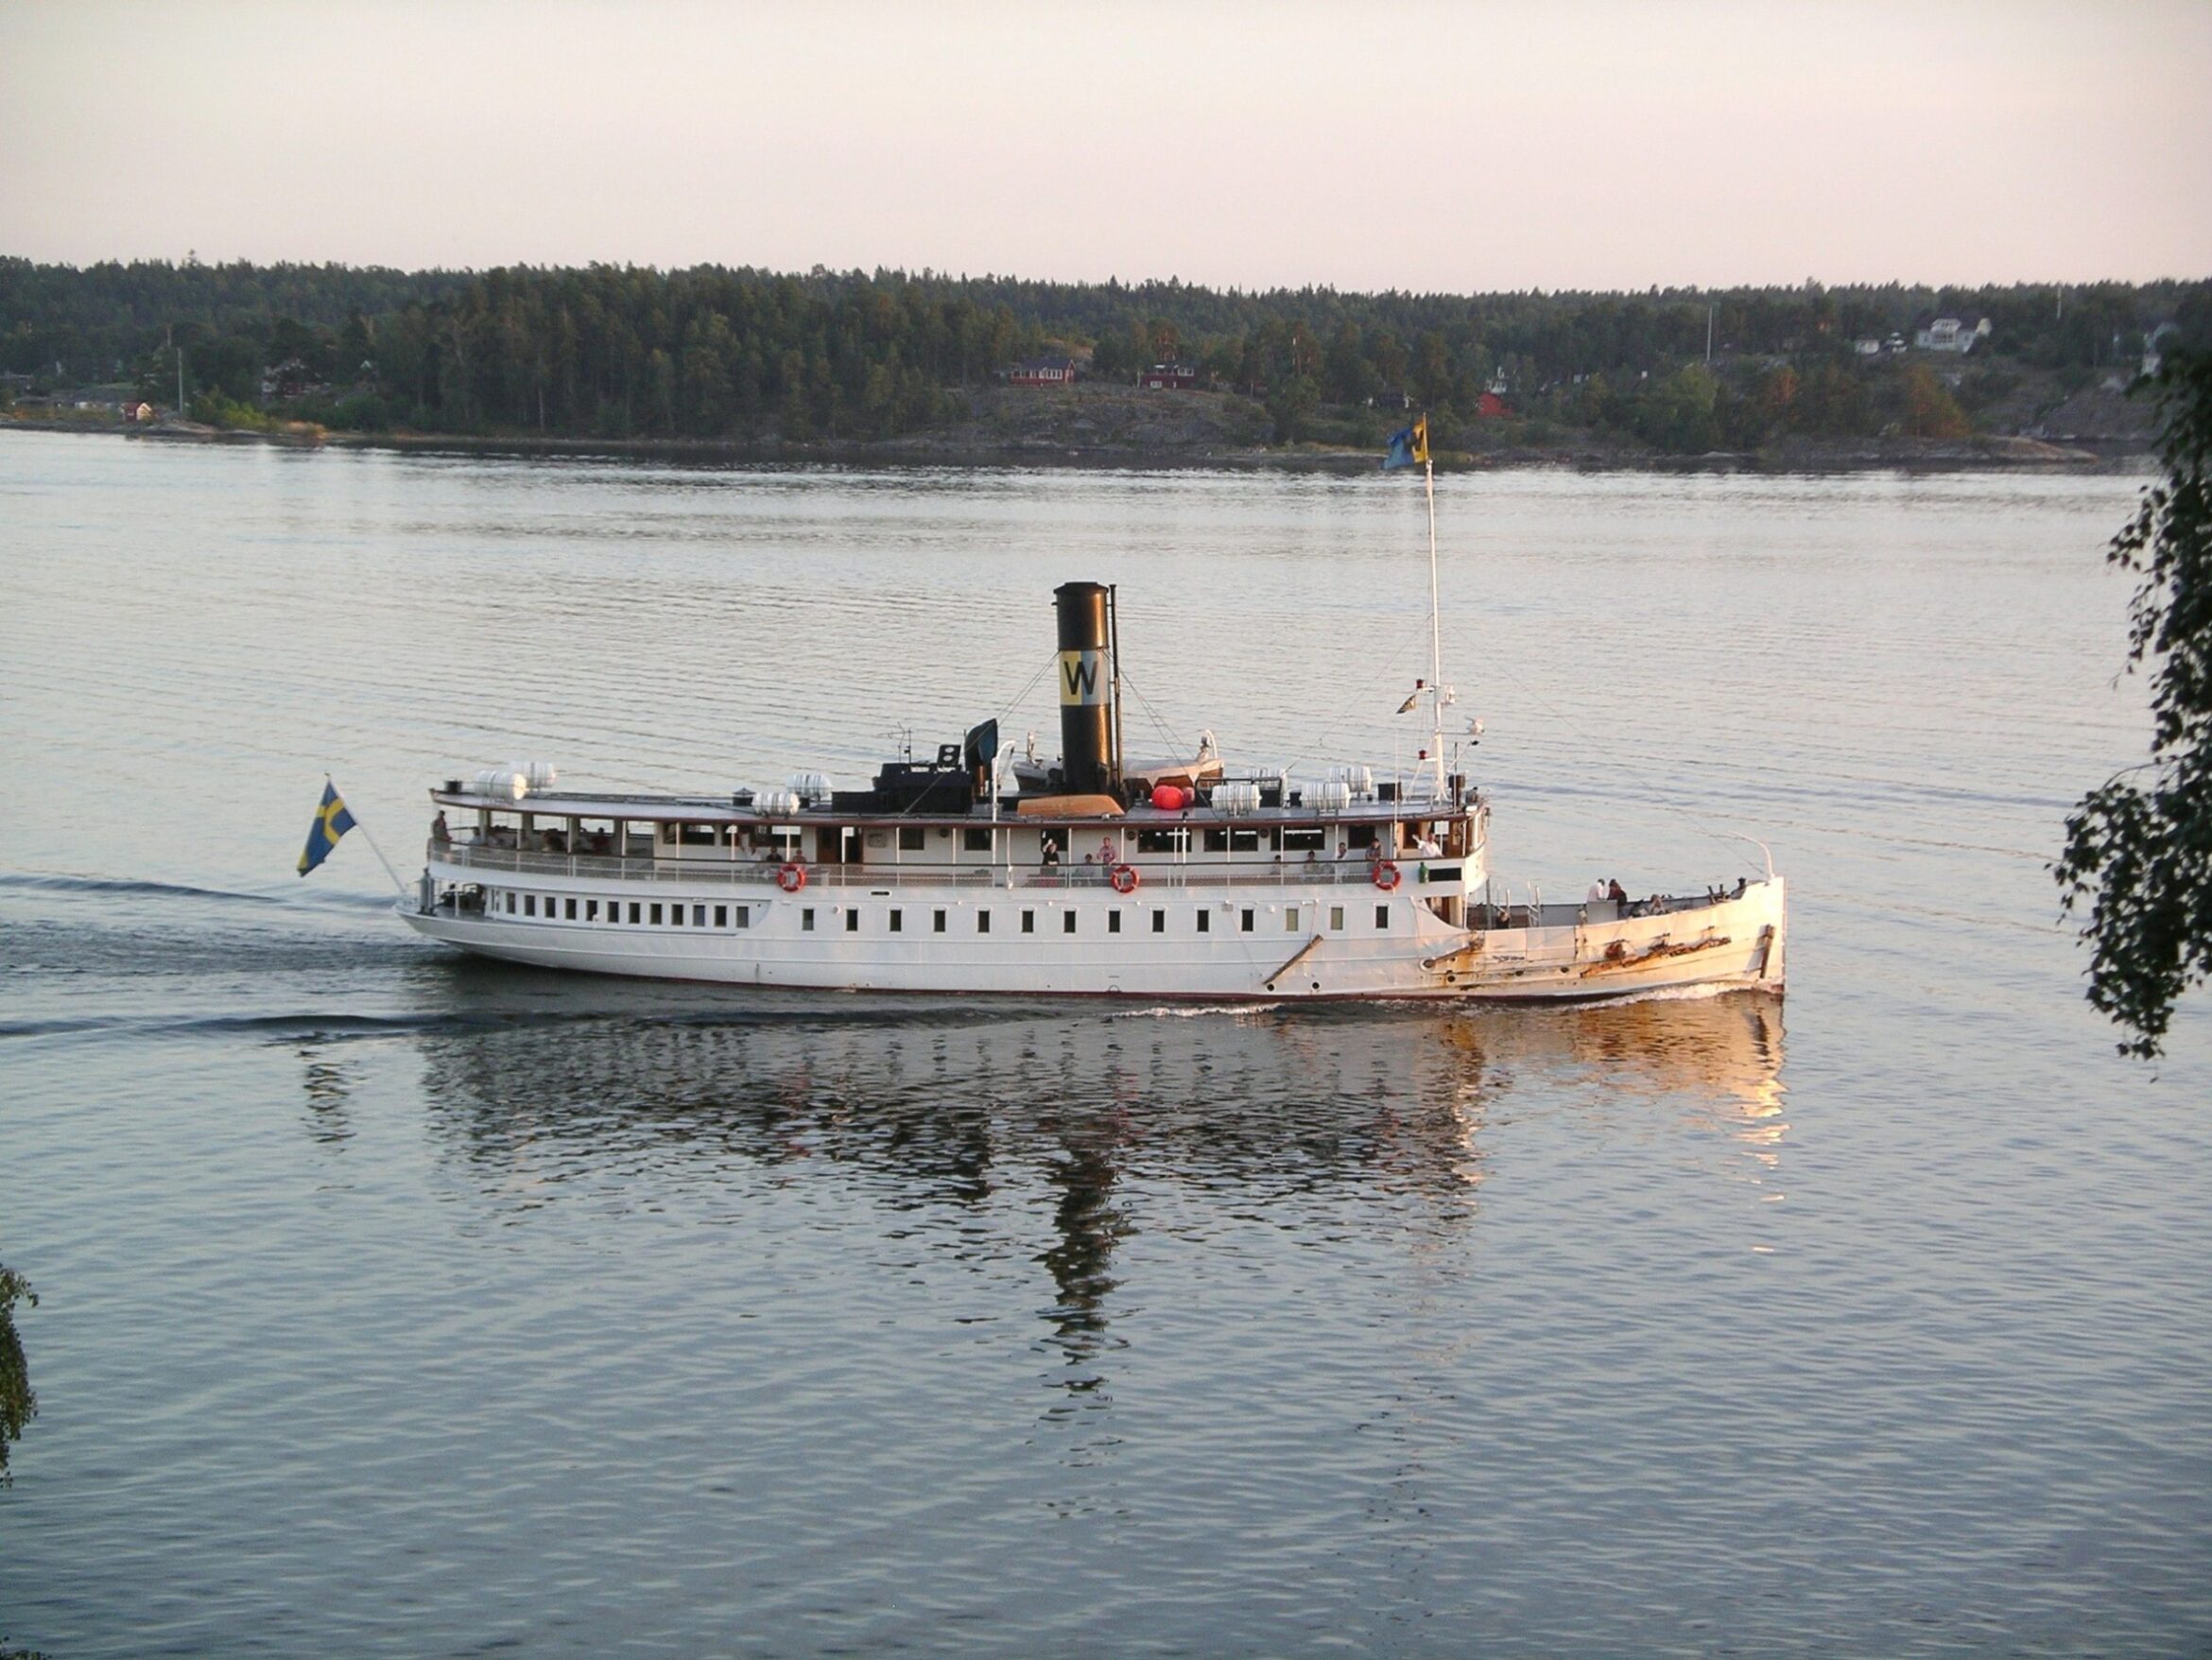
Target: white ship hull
1305,942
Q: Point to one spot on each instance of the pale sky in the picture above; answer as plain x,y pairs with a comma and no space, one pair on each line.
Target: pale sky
1468,146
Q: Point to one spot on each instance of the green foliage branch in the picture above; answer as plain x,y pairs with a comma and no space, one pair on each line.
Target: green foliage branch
18,1404
2139,851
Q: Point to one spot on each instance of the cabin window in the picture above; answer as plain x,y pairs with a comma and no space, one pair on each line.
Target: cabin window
722,916
1244,842
699,916
937,921
744,916
1205,921
1173,841
806,921
898,922
591,910
1311,839
975,840
1244,923
568,910
1159,922
912,838
675,916
1114,922
1217,841
1067,922
1360,835
1337,917
1382,916
530,905
1029,922
982,922
509,904
656,916
697,835
1290,918
853,920
634,912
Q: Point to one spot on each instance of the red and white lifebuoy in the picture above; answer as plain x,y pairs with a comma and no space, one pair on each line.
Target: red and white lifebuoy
1124,877
791,876
1386,875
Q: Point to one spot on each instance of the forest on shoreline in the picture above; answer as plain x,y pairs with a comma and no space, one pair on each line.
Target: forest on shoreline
744,356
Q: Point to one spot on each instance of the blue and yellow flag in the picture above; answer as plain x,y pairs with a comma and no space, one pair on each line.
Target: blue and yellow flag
1409,447
332,820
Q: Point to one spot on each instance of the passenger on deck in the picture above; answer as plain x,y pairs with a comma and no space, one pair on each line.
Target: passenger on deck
439,833
1595,896
1050,852
1616,893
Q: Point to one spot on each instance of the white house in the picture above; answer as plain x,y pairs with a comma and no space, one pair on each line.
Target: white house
1947,333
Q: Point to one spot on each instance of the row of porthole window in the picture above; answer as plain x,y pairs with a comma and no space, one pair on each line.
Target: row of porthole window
659,913
645,913
1202,920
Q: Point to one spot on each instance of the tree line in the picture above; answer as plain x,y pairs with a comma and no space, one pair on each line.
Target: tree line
720,353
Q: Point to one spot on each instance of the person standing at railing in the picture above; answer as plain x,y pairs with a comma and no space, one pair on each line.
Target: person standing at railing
439,833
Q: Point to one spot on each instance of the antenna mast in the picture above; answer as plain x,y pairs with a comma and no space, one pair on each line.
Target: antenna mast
1435,638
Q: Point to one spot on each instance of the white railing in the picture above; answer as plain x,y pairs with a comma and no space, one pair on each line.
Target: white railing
612,867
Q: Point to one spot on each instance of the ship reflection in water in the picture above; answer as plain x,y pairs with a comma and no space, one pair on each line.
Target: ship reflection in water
1076,1130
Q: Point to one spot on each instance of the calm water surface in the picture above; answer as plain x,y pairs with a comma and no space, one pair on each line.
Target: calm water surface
397,1305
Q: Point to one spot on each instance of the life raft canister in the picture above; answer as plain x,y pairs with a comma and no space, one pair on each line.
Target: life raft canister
1386,875
1124,877
792,877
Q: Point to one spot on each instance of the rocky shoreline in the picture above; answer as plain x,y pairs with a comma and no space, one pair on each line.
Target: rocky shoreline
956,447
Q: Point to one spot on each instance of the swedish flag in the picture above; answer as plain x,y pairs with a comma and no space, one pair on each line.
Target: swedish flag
1409,447
332,820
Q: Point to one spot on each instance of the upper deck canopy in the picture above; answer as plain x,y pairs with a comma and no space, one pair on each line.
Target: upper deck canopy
729,810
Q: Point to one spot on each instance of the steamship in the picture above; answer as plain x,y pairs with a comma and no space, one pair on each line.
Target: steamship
990,869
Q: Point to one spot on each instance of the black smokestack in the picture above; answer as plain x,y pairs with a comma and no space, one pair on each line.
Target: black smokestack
1087,761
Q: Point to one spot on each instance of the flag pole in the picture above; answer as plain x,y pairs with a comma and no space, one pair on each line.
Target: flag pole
363,828
1435,633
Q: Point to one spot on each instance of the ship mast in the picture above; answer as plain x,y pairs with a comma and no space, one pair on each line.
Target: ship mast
1435,636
